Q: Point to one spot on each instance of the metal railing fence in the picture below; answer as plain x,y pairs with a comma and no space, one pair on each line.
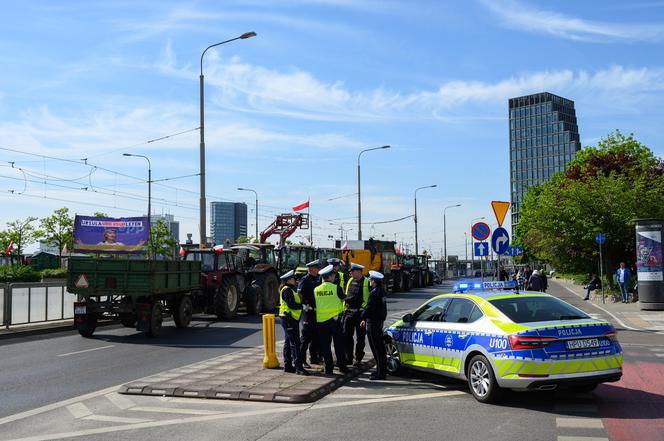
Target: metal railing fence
24,303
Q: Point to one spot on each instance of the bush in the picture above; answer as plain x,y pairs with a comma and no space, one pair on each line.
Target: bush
18,273
54,274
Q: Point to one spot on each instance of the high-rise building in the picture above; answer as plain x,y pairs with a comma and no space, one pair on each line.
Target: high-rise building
544,138
228,221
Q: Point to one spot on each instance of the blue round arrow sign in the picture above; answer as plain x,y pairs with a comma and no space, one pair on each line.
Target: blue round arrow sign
500,240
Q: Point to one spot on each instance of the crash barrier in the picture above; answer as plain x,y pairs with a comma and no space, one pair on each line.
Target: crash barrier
24,303
270,360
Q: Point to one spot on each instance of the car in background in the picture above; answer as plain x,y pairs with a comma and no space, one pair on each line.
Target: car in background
496,339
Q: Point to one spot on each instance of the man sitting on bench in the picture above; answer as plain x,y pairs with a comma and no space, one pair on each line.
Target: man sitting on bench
595,283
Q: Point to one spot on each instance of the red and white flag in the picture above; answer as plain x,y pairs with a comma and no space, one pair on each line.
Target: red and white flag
9,248
302,206
181,251
344,247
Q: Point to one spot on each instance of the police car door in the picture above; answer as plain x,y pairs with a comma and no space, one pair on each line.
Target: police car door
415,341
453,334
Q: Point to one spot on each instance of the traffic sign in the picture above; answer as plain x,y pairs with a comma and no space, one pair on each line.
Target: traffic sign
500,210
515,251
82,282
600,238
481,249
500,240
480,231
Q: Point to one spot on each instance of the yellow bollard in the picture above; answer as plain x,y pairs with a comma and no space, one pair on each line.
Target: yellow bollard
270,360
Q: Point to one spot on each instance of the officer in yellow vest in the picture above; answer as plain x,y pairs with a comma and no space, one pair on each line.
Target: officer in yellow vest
356,298
339,276
329,308
290,310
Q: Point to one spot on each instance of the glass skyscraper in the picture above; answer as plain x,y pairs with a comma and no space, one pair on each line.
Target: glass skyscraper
228,221
544,137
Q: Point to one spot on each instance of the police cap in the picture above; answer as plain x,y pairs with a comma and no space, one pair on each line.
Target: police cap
375,275
289,275
356,266
314,264
326,271
334,261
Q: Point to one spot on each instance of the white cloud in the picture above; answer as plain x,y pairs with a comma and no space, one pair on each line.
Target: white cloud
517,15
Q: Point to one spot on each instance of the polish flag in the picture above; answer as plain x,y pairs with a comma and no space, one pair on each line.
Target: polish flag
344,246
302,206
9,248
181,251
218,249
397,250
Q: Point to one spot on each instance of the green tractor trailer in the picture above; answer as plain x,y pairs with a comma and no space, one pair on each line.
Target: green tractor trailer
138,292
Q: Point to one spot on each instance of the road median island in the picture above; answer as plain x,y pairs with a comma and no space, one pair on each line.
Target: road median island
240,376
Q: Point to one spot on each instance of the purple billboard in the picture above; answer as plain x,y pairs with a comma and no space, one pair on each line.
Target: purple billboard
105,234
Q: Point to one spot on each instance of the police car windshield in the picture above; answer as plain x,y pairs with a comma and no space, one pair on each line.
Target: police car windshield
524,309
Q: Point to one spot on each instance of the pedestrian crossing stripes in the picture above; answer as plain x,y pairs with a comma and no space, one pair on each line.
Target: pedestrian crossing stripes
579,421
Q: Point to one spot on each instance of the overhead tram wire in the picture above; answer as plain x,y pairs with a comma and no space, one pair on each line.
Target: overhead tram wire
173,135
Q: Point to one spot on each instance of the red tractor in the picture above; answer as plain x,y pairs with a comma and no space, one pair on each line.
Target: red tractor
258,266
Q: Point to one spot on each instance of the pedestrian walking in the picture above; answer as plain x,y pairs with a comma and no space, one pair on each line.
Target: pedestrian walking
339,276
535,282
373,318
290,310
594,284
545,282
623,274
357,296
520,280
527,272
309,329
329,308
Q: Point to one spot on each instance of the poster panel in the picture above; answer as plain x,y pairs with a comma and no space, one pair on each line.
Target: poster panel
649,256
111,235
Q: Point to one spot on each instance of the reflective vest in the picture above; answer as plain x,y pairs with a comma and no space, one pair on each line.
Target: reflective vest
342,279
365,292
328,304
283,306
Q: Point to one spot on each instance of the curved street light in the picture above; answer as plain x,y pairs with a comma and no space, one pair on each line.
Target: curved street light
416,190
202,207
149,194
445,235
249,189
359,198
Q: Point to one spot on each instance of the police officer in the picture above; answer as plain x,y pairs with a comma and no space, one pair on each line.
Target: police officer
357,295
373,318
329,308
309,330
290,310
339,276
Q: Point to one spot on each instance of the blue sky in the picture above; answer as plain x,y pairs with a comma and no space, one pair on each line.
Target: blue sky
288,111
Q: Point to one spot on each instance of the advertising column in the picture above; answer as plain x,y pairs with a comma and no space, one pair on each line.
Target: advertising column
649,270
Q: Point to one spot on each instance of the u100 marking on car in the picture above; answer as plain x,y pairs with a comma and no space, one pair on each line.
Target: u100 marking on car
498,343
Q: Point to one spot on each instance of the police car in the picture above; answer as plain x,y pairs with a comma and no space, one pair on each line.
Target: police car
504,339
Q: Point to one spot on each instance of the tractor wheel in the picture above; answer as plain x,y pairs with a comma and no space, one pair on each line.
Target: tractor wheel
253,299
90,326
405,282
270,286
226,300
182,314
156,319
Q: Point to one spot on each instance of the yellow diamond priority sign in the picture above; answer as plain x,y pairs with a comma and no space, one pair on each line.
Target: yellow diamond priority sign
500,210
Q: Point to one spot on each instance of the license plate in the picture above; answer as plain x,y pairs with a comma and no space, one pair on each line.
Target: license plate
79,310
582,344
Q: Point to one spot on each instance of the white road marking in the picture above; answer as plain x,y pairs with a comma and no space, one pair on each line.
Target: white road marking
581,438
79,410
337,396
116,419
612,315
120,401
206,418
580,423
659,355
576,407
175,410
86,350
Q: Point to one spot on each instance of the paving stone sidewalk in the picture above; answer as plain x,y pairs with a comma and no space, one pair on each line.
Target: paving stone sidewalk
629,313
241,376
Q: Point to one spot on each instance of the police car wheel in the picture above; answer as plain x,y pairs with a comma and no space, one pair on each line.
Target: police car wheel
393,362
482,381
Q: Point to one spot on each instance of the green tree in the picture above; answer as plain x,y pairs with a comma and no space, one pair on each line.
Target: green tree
161,241
22,233
100,214
243,239
603,190
5,241
58,229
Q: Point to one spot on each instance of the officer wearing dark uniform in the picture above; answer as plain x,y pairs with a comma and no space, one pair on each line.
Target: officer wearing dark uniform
290,310
309,330
329,308
357,295
339,276
373,317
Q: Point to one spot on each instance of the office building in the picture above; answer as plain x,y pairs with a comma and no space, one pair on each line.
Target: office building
544,138
228,221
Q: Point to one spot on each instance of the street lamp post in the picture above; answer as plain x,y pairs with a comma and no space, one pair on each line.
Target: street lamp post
445,235
249,189
149,193
472,248
416,190
359,198
202,207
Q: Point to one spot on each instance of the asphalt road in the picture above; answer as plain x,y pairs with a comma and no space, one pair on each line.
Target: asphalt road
49,371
